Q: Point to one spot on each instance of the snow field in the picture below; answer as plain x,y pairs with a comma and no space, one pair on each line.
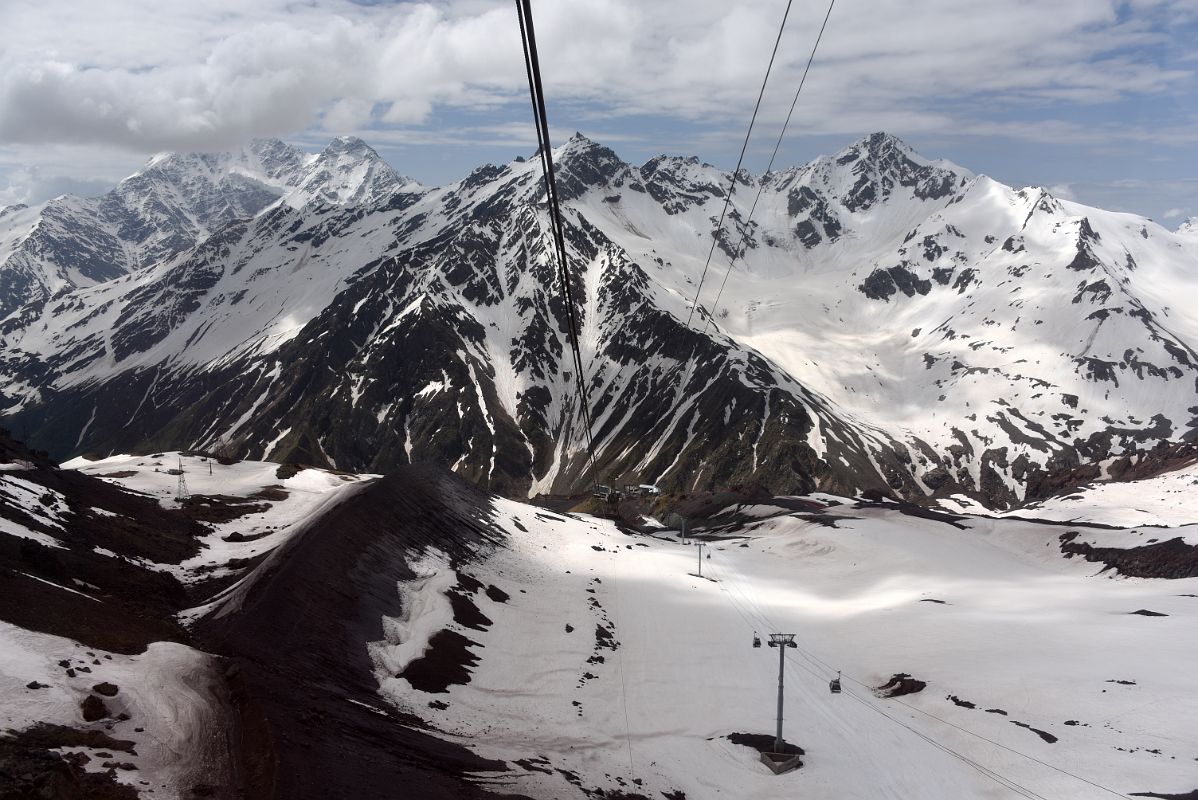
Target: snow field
1020,629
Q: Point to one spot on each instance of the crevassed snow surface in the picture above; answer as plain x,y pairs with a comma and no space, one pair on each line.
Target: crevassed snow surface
1018,629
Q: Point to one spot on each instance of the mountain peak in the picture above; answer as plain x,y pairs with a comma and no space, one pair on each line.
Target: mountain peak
347,172
868,170
1189,227
268,146
273,150
879,147
585,164
351,145
579,145
882,139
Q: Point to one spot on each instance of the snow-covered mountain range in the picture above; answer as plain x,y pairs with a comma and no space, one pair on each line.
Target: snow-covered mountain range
894,323
175,202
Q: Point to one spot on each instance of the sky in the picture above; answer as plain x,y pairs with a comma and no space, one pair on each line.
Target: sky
1095,99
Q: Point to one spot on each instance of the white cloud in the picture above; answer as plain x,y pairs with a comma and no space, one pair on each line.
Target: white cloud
182,75
1159,198
1063,191
31,185
90,89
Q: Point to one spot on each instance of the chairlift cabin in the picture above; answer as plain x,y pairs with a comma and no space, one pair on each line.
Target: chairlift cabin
756,639
834,684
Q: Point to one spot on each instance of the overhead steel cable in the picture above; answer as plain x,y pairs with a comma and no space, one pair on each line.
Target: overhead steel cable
825,665
1042,763
533,67
777,145
755,610
715,236
997,777
987,772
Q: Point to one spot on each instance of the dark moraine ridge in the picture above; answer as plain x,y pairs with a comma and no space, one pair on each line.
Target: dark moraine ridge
1173,559
310,721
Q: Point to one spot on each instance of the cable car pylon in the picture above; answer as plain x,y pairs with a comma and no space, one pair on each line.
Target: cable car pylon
779,760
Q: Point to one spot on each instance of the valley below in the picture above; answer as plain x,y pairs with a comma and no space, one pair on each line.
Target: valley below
465,645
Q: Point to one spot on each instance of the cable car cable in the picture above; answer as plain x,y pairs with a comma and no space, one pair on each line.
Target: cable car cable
973,733
777,145
732,188
1008,783
1016,752
986,771
761,616
536,91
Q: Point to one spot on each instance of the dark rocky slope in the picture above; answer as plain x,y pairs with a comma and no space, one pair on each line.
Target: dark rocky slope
296,642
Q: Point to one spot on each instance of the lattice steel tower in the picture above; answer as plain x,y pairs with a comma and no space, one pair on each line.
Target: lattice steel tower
181,492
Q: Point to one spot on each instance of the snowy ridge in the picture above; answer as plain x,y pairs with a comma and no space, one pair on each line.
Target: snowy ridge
275,508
